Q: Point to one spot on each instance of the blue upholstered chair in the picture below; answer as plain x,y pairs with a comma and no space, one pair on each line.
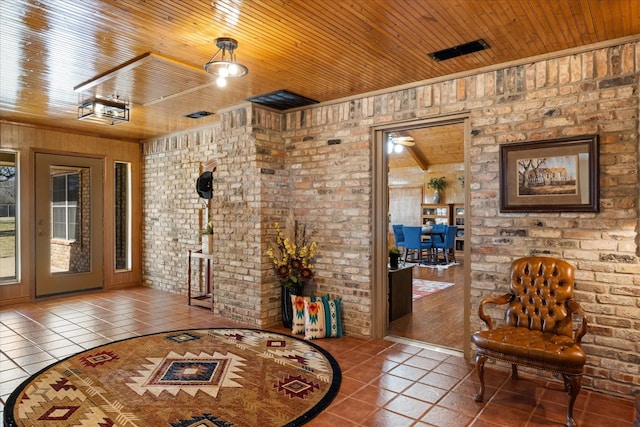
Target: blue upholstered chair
438,230
447,246
413,243
398,235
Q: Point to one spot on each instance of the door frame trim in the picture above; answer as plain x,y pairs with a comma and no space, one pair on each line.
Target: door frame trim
380,202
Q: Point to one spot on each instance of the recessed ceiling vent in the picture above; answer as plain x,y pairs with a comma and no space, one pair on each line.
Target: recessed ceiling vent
460,50
199,114
282,100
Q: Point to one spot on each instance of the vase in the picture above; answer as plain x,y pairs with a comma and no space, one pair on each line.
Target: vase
436,197
207,243
393,261
287,306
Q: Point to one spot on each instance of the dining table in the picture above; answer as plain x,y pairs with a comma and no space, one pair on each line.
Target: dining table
428,232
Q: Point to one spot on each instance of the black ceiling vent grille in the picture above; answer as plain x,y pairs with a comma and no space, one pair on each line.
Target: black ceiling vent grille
282,100
199,114
460,50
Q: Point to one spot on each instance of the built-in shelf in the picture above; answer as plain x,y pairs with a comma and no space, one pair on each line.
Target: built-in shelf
446,214
436,214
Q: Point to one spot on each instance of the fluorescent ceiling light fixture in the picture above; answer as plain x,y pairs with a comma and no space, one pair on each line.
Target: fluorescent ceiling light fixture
223,63
105,111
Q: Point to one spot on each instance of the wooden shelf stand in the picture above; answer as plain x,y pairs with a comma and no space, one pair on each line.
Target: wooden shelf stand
202,298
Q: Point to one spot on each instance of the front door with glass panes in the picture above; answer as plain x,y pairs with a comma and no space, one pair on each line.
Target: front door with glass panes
69,223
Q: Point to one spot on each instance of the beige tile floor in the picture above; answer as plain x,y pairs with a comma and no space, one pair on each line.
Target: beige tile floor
385,383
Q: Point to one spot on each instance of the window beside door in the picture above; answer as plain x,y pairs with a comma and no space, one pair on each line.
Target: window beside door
9,271
122,216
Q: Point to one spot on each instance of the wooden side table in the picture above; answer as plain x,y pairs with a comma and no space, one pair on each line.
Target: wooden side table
202,298
400,292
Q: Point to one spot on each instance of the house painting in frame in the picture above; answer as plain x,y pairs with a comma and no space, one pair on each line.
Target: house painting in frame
558,175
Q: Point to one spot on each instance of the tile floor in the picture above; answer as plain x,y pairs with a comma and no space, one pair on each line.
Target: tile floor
385,383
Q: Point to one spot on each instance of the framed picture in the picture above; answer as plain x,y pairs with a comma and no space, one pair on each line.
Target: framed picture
559,175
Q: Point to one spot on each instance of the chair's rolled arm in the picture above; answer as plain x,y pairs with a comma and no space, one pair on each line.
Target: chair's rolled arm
504,299
575,307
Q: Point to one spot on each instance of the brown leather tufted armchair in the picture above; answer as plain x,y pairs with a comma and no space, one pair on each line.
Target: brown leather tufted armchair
538,330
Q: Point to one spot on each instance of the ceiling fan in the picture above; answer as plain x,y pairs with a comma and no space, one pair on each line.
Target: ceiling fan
405,140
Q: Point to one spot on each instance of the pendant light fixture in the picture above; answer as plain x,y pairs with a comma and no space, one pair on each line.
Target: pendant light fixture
112,111
223,63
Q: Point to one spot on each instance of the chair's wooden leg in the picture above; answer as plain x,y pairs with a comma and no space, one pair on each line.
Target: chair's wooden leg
572,385
479,396
514,371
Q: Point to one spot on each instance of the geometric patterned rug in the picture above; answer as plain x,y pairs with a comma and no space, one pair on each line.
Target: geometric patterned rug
421,288
197,377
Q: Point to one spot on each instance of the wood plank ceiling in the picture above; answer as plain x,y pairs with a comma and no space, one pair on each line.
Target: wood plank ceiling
321,49
432,145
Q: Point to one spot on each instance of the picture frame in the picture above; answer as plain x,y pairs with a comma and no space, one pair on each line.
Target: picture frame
556,175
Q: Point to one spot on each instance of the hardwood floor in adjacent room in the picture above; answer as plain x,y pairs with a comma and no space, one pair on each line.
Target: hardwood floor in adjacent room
438,318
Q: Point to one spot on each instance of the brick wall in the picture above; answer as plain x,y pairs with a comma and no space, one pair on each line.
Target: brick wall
172,210
314,165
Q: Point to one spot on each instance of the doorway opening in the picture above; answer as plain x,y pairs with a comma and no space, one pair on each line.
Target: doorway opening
430,149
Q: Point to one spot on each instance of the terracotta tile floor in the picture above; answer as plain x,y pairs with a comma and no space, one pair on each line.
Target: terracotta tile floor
385,383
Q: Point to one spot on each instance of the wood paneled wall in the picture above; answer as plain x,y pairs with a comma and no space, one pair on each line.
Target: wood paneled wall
27,140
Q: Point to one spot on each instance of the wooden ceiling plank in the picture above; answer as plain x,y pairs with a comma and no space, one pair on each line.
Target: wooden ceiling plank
442,31
533,15
444,25
564,23
481,29
632,14
354,33
390,31
120,69
177,94
384,41
314,55
164,81
511,21
579,14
